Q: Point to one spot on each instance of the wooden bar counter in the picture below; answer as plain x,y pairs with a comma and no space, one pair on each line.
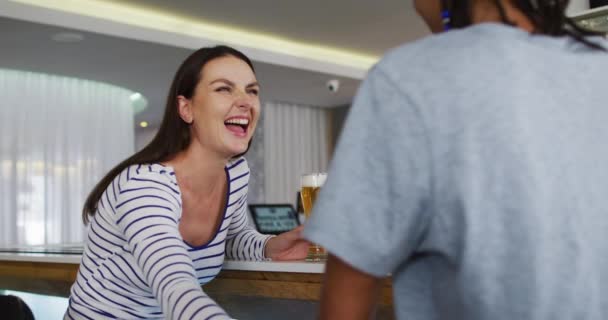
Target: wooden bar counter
53,274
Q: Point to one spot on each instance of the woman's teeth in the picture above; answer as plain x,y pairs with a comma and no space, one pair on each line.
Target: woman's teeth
238,126
239,122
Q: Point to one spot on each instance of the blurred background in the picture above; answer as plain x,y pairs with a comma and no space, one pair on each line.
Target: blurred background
83,85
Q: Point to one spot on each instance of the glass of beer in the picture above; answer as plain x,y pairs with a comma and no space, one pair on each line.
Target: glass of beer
311,185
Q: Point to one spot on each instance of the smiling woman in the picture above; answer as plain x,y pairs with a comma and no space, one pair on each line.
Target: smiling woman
162,221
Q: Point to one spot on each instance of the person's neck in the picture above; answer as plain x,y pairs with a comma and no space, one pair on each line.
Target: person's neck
486,11
199,170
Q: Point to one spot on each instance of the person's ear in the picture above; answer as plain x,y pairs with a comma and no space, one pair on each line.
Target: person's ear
184,107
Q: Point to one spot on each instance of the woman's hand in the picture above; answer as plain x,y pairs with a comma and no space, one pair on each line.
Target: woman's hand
287,246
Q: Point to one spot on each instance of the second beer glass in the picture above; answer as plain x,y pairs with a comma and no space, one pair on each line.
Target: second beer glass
311,185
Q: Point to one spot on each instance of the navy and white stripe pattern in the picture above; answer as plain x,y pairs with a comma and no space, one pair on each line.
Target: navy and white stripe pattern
136,265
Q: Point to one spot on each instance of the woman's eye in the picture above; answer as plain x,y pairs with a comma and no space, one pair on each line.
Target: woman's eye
223,89
254,92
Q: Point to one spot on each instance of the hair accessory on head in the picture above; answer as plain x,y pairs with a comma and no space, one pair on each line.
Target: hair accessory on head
446,19
446,15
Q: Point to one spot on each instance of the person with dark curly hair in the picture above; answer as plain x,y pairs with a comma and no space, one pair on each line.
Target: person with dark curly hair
473,169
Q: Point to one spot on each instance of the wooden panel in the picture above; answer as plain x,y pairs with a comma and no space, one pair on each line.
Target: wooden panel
57,278
39,270
264,288
277,289
272,276
281,285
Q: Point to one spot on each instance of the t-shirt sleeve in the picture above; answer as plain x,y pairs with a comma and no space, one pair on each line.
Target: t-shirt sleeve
244,242
247,244
146,215
372,210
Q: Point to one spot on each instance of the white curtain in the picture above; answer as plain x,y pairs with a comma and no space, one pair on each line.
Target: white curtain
58,137
296,141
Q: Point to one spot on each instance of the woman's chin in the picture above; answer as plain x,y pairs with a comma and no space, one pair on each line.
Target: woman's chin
238,150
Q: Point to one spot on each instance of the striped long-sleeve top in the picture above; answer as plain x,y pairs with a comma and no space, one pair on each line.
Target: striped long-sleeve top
136,265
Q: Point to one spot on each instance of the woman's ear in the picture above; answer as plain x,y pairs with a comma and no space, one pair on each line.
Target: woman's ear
184,107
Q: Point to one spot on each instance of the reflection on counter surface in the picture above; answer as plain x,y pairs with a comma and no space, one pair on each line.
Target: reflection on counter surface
75,249
248,290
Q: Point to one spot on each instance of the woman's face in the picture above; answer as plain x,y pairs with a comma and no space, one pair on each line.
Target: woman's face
430,11
225,107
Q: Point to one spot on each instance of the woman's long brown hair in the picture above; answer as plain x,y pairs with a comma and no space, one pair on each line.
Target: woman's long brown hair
173,135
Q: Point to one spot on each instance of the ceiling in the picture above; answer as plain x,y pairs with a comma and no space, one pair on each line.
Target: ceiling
358,26
364,26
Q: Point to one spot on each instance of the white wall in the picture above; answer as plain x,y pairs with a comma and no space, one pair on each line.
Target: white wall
296,141
143,136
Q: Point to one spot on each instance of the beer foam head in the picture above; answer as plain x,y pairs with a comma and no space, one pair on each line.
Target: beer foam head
314,180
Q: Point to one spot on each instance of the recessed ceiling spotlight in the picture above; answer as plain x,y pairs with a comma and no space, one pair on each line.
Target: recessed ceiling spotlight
143,124
135,96
67,37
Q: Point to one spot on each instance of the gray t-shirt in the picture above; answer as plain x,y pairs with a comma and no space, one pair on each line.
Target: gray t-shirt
473,166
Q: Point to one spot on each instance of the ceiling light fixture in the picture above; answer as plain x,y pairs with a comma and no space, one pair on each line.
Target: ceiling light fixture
138,101
143,124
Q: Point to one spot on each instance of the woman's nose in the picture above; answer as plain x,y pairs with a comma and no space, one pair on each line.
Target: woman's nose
243,100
